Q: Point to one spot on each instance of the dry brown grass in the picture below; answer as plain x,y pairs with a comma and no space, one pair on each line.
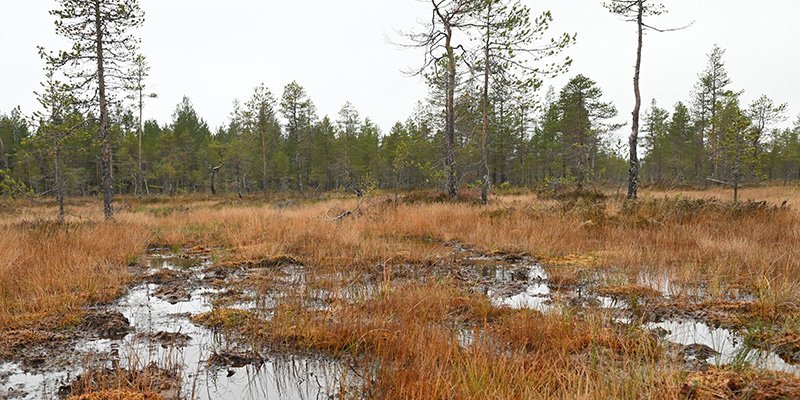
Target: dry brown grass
47,269
714,383
117,395
435,341
146,383
407,330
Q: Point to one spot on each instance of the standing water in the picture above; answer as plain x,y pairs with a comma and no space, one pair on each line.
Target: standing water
162,333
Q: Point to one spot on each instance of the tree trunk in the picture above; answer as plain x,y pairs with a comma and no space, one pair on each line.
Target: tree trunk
264,169
633,173
583,157
485,129
299,170
736,177
3,159
214,171
450,115
713,135
59,184
107,180
140,179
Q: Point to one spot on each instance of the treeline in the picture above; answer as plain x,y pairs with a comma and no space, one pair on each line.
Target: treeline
714,137
277,144
282,144
483,123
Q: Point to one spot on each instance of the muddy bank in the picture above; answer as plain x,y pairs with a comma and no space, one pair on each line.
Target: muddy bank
150,328
694,330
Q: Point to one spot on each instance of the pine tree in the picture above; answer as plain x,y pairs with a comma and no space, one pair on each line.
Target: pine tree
300,115
55,123
711,93
511,44
260,118
139,74
438,38
737,143
102,47
349,124
583,121
764,113
656,141
636,11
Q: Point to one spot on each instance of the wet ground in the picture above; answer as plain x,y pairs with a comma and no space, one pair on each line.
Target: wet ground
517,281
151,325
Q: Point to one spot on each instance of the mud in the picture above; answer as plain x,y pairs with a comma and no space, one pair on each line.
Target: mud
175,319
108,324
150,328
694,329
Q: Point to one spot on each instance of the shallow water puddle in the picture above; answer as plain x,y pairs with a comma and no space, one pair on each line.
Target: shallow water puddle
722,346
521,283
536,296
728,347
163,333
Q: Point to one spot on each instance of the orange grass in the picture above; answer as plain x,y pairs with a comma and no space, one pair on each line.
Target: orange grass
407,332
434,341
46,269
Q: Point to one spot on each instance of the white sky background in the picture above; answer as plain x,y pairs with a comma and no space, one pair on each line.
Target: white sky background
217,51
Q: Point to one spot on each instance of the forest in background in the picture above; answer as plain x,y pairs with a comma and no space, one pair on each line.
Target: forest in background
278,142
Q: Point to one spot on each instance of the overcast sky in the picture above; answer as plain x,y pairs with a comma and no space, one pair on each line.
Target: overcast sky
217,51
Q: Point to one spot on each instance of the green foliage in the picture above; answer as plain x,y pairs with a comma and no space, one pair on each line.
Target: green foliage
9,187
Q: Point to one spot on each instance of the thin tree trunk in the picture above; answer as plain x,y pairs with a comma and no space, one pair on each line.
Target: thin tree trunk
633,173
264,169
59,184
450,117
713,135
107,180
583,157
485,131
214,171
299,170
3,158
140,178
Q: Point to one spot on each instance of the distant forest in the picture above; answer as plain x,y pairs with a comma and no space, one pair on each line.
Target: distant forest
278,142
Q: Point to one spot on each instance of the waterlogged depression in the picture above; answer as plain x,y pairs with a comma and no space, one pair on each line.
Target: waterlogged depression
162,334
521,282
158,330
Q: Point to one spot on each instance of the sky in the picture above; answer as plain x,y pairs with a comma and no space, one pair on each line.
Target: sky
345,50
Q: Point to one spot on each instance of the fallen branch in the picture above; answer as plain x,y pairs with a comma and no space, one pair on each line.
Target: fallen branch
352,213
719,182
